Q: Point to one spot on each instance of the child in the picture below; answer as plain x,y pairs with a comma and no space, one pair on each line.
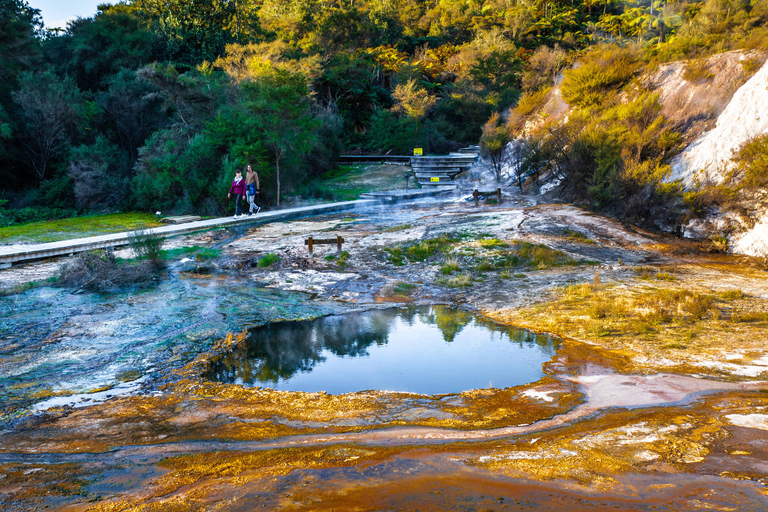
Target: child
238,187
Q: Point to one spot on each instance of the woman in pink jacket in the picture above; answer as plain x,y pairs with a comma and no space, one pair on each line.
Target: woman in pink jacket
238,188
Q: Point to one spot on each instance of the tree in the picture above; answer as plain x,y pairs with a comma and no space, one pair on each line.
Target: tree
191,32
132,109
414,101
99,172
50,109
92,49
493,142
19,48
279,105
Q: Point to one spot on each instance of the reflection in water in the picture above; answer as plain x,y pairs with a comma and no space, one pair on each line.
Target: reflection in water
423,350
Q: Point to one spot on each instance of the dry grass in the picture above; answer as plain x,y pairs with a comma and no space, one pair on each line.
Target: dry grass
101,271
671,324
462,280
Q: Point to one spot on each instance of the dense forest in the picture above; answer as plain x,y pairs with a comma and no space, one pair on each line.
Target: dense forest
151,105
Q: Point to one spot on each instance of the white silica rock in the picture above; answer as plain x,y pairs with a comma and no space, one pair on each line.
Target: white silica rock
746,116
753,242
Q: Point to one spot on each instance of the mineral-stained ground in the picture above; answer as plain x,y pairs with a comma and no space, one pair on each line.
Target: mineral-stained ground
655,400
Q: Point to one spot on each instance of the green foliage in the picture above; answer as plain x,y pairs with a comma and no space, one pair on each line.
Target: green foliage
603,70
176,173
493,142
343,260
50,110
99,173
146,245
63,224
752,162
419,251
531,100
268,260
288,85
191,32
611,158
196,252
403,289
93,49
279,108
462,280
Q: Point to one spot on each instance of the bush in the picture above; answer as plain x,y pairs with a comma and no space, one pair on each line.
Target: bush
268,260
604,69
100,271
146,245
100,175
752,162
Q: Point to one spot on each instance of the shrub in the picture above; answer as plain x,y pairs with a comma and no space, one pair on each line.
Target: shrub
457,281
531,100
697,70
418,251
268,260
752,161
451,265
100,175
100,271
604,69
146,245
403,289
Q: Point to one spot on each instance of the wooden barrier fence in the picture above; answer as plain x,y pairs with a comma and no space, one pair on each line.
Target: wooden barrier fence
311,242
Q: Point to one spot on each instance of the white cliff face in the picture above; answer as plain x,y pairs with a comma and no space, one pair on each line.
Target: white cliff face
753,242
708,158
746,116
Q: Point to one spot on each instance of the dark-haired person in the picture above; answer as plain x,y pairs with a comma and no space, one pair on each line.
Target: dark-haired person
251,189
238,188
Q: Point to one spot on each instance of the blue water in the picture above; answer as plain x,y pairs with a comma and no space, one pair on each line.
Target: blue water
427,350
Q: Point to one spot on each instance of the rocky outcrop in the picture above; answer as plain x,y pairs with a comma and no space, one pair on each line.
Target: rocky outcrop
746,116
694,105
729,107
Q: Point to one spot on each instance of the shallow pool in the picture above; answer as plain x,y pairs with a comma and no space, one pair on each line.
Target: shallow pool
427,350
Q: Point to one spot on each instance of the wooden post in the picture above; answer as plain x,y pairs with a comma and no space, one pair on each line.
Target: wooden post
477,196
309,243
498,195
339,240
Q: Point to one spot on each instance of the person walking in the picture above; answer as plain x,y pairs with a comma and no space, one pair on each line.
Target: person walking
251,189
238,188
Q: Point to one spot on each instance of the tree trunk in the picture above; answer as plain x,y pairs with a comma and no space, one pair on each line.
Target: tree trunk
278,154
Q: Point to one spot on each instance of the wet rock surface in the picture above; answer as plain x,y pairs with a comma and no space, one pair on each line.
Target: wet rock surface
655,398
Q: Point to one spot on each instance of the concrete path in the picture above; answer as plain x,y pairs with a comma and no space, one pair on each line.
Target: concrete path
14,254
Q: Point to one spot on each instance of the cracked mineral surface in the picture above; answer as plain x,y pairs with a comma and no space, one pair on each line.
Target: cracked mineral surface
655,398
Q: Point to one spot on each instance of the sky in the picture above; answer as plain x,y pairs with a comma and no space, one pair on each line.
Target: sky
56,13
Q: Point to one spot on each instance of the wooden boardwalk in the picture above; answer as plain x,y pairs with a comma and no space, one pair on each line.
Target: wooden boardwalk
19,253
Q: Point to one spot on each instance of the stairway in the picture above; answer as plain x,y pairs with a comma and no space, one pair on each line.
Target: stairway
441,170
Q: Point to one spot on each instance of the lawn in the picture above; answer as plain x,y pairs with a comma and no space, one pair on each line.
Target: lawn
349,181
76,227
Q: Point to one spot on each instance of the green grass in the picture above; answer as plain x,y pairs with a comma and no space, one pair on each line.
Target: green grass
577,236
493,243
196,252
457,281
418,251
451,265
77,227
394,229
20,288
403,289
268,260
347,182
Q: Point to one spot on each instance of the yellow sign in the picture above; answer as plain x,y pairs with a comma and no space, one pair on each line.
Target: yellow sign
435,179
417,151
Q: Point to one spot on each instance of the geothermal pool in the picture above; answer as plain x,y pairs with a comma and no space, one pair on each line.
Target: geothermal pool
426,350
